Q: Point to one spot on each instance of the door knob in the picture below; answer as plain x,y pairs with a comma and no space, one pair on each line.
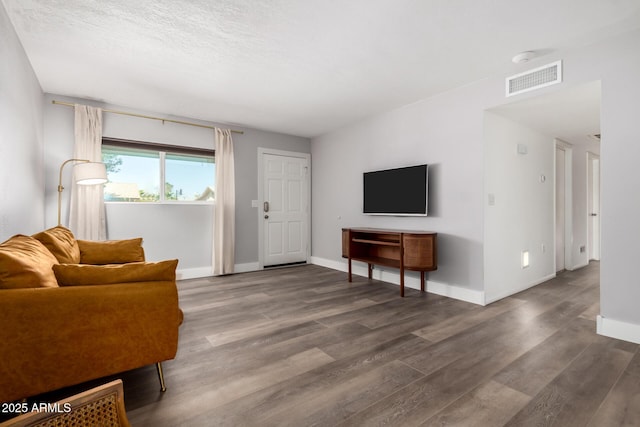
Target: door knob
266,217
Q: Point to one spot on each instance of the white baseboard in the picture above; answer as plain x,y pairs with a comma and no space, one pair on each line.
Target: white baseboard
508,293
329,263
194,273
393,276
578,266
246,267
618,329
197,273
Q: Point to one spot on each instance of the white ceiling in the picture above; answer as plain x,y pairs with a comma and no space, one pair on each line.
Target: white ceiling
572,115
292,66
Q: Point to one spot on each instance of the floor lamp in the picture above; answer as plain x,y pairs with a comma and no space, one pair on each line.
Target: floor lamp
86,173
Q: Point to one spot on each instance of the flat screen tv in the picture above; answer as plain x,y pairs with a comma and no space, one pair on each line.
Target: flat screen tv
400,191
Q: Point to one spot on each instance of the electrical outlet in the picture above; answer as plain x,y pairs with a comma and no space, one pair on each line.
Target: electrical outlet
583,249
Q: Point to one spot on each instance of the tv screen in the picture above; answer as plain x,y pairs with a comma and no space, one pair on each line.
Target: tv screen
401,191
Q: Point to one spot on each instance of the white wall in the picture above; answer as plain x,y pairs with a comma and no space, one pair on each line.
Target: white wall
620,180
21,141
169,231
522,214
444,132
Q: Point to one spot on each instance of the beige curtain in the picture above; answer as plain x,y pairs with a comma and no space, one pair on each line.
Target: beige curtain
86,212
224,226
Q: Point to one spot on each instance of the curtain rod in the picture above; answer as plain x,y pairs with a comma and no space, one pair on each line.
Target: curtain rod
125,113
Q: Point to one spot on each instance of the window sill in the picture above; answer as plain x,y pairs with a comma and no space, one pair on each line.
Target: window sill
180,203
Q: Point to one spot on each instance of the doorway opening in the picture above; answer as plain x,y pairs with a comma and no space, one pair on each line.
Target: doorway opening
564,205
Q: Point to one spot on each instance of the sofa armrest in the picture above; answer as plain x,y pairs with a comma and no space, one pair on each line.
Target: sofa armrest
111,251
56,337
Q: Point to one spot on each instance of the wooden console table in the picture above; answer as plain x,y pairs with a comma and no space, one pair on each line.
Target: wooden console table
405,250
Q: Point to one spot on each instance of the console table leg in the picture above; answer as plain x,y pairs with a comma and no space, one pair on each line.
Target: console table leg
370,268
349,269
422,281
402,283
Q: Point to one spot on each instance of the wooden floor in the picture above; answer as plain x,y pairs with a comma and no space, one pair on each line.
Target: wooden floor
301,347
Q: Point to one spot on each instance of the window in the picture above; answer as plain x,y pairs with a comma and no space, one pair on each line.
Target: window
139,172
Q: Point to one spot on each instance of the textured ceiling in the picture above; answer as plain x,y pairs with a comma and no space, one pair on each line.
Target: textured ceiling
292,66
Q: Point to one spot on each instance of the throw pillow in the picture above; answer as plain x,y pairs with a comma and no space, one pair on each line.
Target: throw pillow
84,274
61,243
26,263
111,251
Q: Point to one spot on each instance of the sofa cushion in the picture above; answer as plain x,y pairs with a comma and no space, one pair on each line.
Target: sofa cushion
61,243
26,263
84,274
111,251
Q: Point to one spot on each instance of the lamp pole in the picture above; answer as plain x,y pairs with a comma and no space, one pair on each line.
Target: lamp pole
60,187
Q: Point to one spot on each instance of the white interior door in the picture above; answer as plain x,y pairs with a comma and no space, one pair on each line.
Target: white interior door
560,209
593,191
284,209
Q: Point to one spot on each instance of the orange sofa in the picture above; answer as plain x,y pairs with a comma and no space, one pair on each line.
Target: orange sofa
73,310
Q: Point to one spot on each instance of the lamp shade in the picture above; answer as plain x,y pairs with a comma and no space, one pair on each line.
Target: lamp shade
90,173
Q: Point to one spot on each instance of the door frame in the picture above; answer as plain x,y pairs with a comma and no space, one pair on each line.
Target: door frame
593,251
307,156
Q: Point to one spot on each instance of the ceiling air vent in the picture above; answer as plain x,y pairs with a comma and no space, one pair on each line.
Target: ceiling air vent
534,79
